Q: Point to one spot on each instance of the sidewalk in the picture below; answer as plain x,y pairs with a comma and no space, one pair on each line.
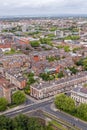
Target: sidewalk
15,108
26,105
75,118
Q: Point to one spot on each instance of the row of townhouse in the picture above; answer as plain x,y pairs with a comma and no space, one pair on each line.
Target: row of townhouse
79,94
43,66
15,61
47,89
5,47
39,62
41,56
15,76
6,88
6,42
11,67
20,40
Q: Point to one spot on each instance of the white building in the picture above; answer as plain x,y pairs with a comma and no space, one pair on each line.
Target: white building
24,28
59,34
79,94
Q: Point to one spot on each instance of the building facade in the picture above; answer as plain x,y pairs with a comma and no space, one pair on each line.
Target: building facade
79,94
47,89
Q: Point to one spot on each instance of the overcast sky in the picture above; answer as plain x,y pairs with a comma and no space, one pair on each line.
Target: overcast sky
42,7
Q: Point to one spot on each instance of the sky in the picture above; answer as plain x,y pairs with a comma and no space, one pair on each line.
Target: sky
42,7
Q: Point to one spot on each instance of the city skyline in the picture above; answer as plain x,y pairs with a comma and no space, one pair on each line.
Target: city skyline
46,7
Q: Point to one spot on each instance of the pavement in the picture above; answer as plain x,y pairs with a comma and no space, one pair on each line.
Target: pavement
65,117
46,105
27,108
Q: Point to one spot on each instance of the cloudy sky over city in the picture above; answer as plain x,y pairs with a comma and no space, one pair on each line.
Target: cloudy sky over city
42,7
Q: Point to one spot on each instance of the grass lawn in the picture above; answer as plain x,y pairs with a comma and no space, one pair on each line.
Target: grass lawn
58,125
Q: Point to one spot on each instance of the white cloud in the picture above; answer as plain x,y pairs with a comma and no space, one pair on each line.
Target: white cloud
42,6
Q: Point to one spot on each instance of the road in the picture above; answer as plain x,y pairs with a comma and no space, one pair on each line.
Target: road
74,121
28,108
46,106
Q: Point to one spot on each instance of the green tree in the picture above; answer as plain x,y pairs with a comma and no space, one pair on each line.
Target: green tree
65,103
27,89
69,105
49,127
5,123
34,124
60,74
73,70
31,80
85,63
3,104
53,28
52,58
45,76
73,37
82,111
76,49
80,62
22,122
46,41
18,98
35,43
51,35
60,46
31,74
66,48
59,100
